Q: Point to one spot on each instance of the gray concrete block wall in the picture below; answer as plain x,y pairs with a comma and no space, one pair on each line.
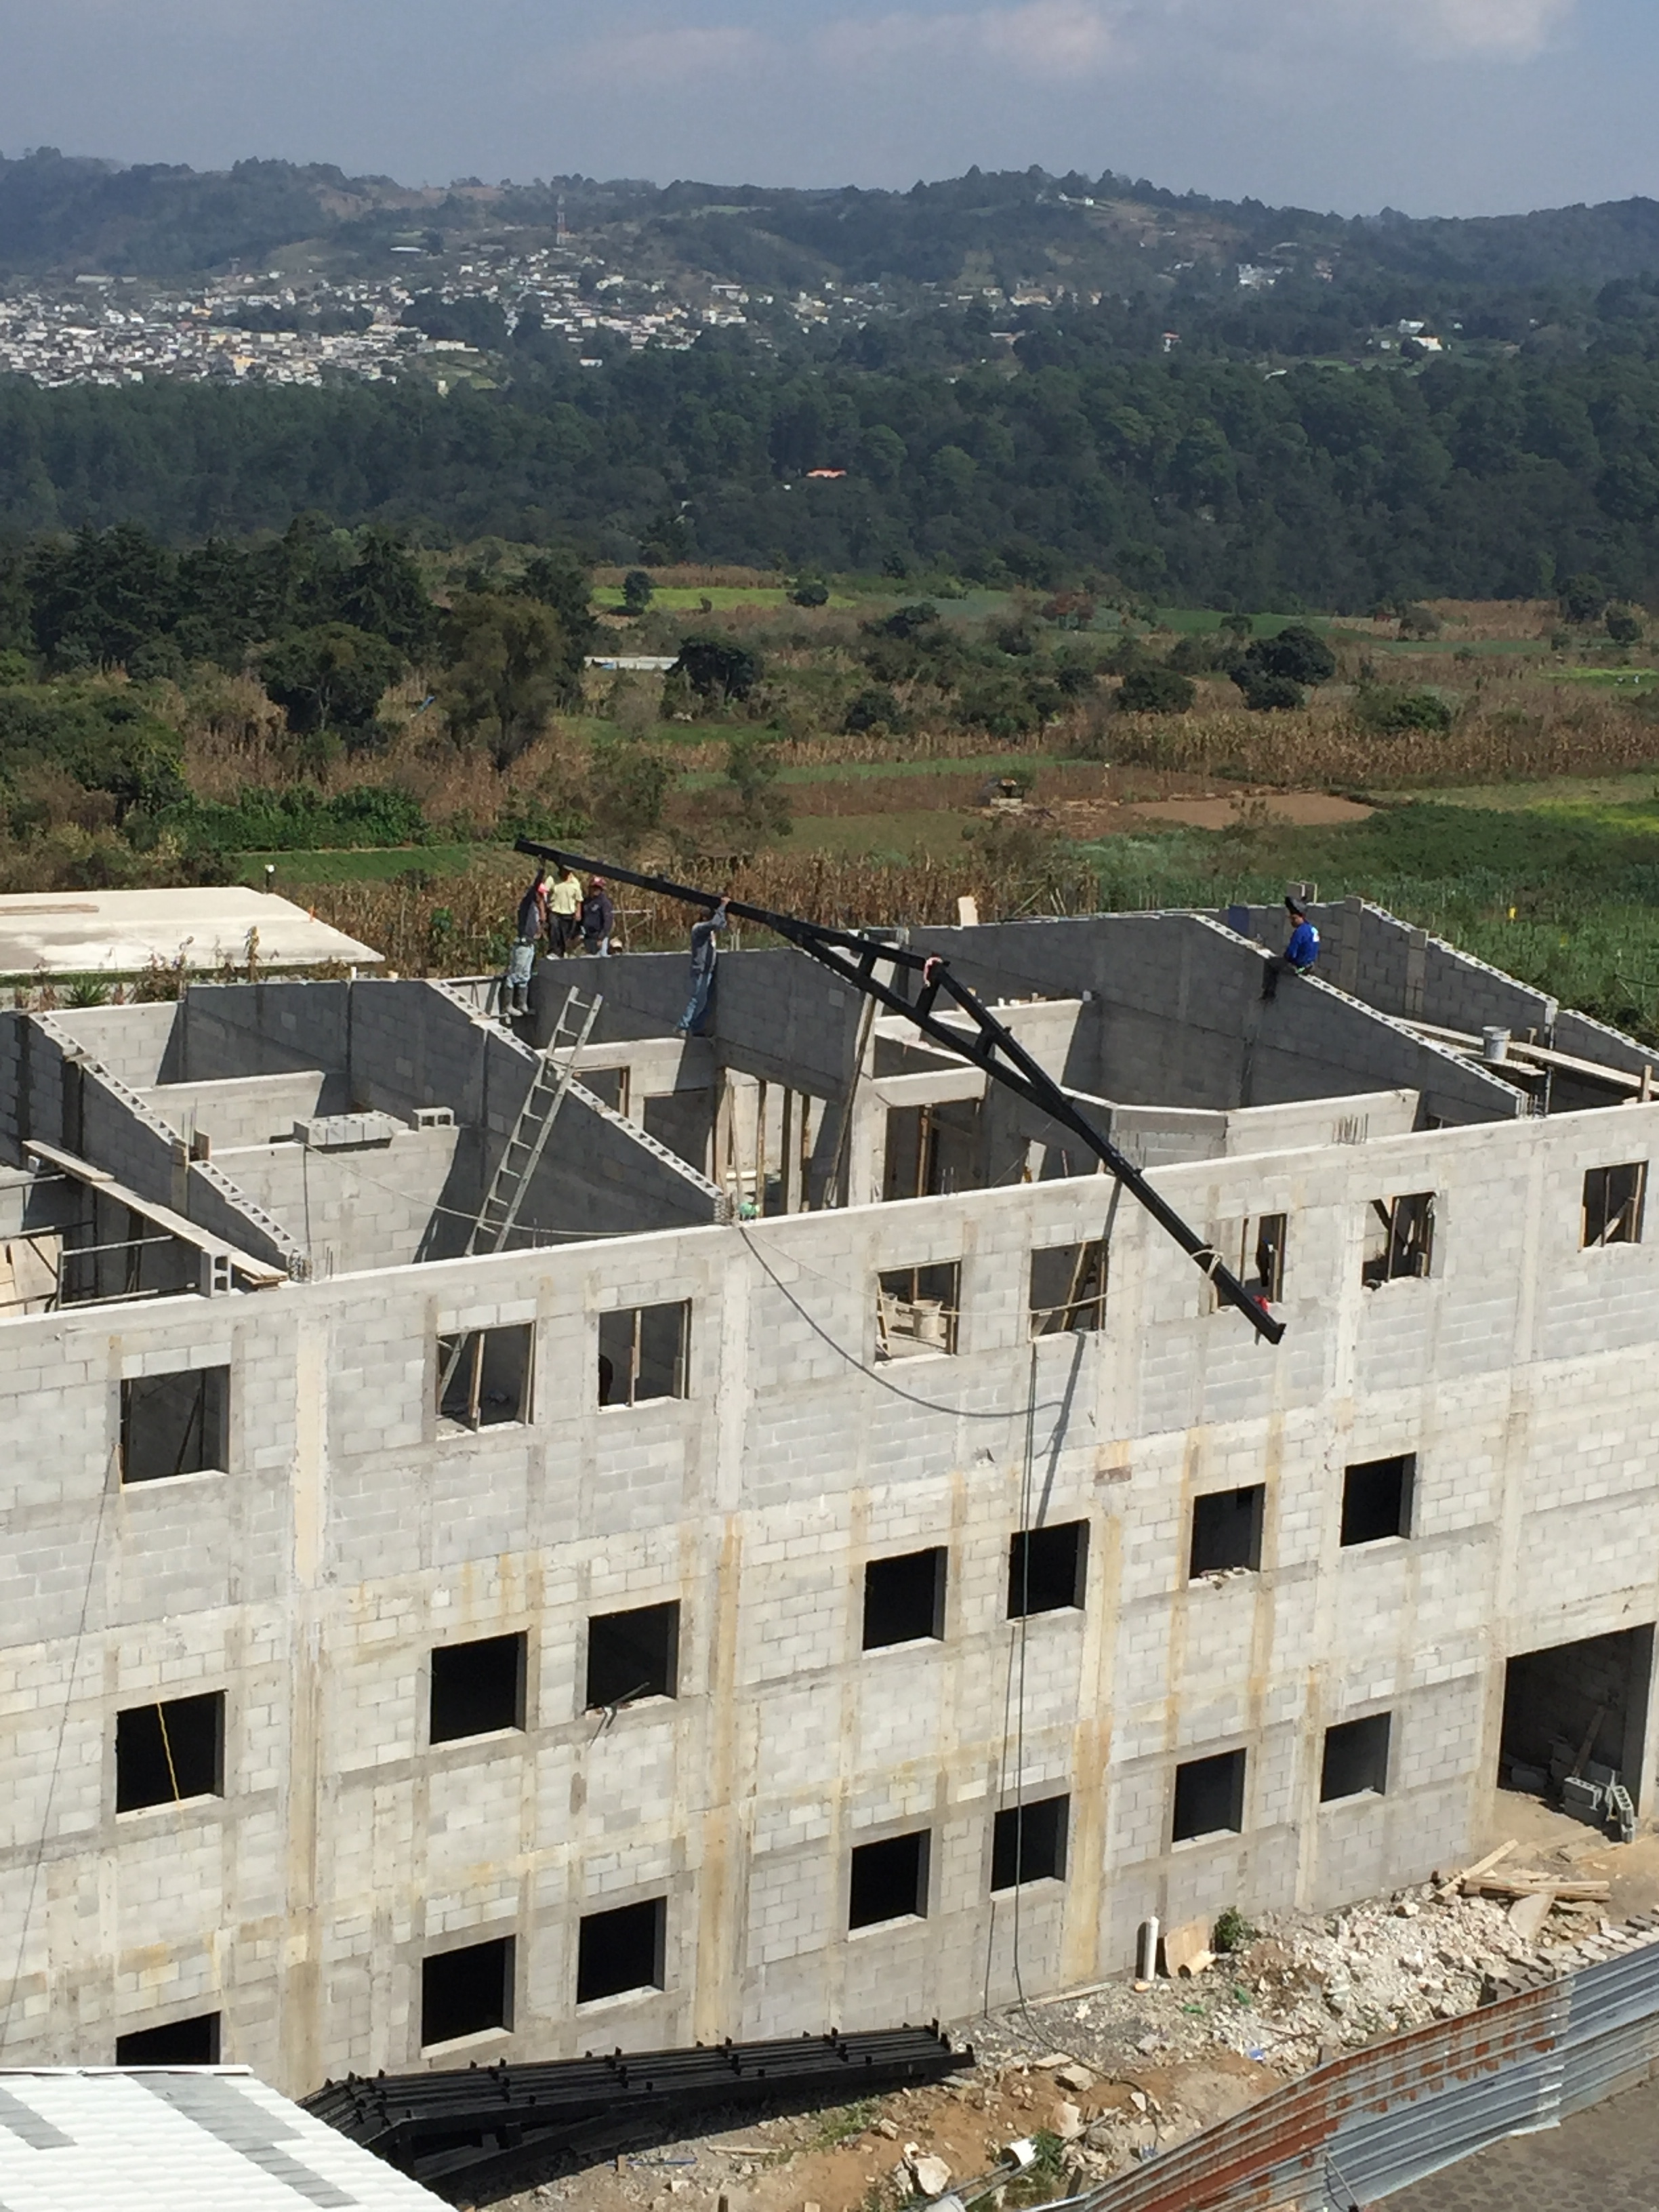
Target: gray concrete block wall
131,1041
411,1044
1401,970
354,1532
360,1208
225,1029
245,1109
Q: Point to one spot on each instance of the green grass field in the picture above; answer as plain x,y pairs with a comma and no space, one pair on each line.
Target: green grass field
688,598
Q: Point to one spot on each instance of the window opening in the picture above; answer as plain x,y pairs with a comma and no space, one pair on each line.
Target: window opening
889,1881
1613,1202
642,1353
1068,1288
175,1424
467,1991
477,1688
1261,1257
483,1376
1047,1568
904,1598
168,1751
917,1310
1356,1761
179,2043
1209,1797
633,1654
620,1951
1398,1238
1227,1531
1027,1843
1376,1499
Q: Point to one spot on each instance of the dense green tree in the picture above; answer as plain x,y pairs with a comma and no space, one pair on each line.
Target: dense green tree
1584,598
717,668
1266,692
560,582
1297,654
330,678
1623,625
97,599
383,593
628,780
1156,689
103,736
508,667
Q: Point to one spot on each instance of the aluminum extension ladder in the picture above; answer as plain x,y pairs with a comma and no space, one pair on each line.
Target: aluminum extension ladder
521,1156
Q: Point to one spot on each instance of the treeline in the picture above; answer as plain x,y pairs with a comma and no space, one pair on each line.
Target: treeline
327,619
1198,480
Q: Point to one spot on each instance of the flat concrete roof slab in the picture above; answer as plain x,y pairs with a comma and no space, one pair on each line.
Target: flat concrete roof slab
122,933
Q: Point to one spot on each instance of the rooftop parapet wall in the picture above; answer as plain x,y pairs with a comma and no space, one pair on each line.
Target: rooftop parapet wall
776,1014
1183,1023
1400,969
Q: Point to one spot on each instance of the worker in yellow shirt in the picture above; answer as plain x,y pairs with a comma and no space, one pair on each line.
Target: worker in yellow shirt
564,906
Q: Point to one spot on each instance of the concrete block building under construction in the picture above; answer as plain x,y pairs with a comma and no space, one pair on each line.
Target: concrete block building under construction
837,1554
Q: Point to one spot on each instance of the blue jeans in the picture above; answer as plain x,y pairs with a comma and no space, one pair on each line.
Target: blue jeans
701,988
520,966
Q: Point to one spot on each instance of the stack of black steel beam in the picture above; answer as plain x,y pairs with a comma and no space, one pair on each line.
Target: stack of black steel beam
450,2123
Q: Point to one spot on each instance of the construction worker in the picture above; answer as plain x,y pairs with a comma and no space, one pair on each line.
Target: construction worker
598,919
704,951
531,926
564,906
1299,955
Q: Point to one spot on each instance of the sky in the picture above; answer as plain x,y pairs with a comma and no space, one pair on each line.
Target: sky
1432,107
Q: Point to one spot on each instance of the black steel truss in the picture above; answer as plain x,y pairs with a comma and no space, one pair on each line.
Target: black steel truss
978,1038
489,2119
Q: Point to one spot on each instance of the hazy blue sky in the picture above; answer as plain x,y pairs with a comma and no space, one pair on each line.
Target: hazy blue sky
1460,107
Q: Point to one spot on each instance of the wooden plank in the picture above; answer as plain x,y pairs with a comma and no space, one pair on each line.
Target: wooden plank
1481,1866
1617,1078
258,1272
1537,1884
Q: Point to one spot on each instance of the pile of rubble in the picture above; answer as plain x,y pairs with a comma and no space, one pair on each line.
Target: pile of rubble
1066,2092
1301,1987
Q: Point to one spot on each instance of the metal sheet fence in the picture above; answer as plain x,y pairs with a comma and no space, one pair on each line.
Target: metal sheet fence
1376,2120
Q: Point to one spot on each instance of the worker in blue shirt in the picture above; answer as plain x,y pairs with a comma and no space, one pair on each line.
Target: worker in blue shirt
704,953
1298,956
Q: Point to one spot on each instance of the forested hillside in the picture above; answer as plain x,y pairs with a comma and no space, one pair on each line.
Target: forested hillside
1202,480
61,214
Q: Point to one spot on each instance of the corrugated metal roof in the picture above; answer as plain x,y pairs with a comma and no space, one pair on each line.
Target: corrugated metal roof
179,2139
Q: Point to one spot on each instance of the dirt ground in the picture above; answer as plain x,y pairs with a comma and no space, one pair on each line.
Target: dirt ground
1104,2075
859,2155
1303,810
1554,1840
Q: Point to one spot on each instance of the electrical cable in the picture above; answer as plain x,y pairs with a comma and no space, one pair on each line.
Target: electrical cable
874,1374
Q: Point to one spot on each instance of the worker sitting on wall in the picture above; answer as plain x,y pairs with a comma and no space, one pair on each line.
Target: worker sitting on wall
531,928
1299,955
704,951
